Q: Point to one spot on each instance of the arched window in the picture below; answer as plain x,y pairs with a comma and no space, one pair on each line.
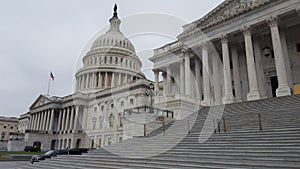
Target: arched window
105,60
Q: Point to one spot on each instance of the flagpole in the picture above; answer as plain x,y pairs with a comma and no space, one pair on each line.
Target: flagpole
48,86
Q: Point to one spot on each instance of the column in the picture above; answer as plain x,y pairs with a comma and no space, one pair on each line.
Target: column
87,81
216,79
34,121
156,80
205,71
283,88
119,79
93,80
253,93
228,98
59,120
187,65
113,79
164,83
67,118
182,79
51,121
198,79
48,120
236,74
286,58
76,118
169,83
105,80
72,118
99,80
82,82
38,121
125,79
63,122
259,69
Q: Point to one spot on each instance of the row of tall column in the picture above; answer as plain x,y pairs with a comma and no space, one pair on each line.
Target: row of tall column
67,119
222,70
102,80
42,121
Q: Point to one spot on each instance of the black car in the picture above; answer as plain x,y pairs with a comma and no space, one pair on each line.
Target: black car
32,149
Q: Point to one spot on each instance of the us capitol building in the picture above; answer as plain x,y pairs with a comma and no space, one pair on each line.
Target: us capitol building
243,50
109,82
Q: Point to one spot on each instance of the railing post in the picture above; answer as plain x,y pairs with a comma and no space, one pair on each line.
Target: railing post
188,126
215,129
145,132
225,129
219,128
164,126
259,118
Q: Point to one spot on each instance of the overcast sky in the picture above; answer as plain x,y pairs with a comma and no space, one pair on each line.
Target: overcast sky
37,36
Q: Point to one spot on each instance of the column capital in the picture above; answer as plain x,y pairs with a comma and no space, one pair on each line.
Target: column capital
223,38
204,44
246,30
155,70
273,21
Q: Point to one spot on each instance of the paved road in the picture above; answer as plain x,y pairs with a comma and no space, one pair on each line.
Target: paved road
12,164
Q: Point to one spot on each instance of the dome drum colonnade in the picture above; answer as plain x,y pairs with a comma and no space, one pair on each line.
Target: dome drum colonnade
111,61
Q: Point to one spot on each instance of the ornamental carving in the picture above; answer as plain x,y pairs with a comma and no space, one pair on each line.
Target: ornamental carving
231,9
246,30
273,21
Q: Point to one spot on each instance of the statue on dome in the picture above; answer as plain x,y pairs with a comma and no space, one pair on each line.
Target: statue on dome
115,10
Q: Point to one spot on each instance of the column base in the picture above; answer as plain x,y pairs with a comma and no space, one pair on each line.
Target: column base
253,95
228,99
206,102
283,91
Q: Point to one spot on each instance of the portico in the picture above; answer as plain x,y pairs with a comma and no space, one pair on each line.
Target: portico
233,58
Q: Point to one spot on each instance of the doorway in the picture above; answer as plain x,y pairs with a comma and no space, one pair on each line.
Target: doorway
274,85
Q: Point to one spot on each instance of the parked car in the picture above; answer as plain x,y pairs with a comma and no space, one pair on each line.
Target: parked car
36,158
32,149
54,153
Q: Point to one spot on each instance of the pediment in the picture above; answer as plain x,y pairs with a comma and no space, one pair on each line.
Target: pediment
41,100
225,11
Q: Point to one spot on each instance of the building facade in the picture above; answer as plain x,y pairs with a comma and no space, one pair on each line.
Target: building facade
242,50
109,82
8,126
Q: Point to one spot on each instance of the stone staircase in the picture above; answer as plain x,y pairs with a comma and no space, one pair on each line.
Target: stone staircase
192,143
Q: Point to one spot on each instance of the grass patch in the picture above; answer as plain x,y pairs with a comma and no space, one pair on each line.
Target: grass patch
3,158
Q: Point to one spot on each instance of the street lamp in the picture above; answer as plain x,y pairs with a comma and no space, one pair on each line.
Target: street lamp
150,92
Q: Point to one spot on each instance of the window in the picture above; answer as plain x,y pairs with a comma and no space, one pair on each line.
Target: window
120,139
121,61
100,60
298,47
11,127
105,60
116,60
4,127
111,120
95,109
102,107
112,106
131,101
122,103
110,60
126,62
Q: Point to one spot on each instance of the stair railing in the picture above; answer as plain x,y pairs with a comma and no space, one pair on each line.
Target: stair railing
259,121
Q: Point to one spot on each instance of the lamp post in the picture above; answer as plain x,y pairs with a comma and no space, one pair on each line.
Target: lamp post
150,92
